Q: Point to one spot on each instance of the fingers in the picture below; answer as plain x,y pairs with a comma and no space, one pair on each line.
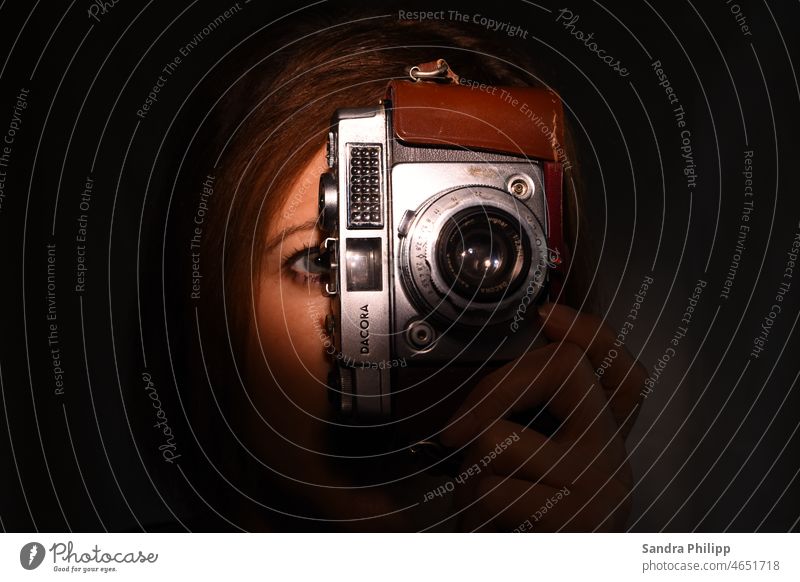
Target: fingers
522,477
533,457
556,375
620,374
508,504
503,504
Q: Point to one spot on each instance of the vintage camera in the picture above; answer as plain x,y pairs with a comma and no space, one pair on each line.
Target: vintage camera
442,211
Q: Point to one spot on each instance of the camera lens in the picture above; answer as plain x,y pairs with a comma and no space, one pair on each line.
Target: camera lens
482,254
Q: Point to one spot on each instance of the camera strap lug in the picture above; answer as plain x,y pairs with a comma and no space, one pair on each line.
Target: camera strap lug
437,71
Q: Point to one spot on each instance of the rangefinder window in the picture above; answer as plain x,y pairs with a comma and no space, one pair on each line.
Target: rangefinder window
364,264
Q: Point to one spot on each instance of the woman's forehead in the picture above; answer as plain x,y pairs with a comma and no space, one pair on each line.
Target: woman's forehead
299,202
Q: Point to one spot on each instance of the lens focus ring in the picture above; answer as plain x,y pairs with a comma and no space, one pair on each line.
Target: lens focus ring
470,255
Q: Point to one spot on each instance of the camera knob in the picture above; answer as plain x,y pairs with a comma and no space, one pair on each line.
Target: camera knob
328,201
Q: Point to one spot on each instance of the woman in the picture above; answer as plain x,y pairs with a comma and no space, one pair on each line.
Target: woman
265,428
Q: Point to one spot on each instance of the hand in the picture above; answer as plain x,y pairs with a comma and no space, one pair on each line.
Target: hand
579,478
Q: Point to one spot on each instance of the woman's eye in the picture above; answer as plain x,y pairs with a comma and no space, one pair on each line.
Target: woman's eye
307,264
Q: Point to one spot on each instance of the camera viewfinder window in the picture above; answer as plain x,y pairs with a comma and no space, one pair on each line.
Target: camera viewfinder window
364,264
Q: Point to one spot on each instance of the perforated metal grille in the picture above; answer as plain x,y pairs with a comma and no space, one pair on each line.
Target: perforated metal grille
364,200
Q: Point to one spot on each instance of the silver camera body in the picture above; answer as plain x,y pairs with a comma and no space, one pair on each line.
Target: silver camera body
437,256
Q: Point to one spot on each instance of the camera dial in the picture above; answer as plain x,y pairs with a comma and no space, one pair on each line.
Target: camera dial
328,201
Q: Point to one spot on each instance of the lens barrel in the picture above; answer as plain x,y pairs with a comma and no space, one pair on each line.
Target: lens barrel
482,254
469,255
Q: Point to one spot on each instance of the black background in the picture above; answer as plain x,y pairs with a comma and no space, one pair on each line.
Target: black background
716,446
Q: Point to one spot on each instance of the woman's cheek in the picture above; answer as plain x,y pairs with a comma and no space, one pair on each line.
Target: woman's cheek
291,329
307,329
286,376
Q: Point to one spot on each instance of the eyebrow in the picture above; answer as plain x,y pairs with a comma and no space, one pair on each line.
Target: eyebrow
288,231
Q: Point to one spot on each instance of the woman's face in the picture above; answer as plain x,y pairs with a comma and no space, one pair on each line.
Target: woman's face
287,366
288,424
289,421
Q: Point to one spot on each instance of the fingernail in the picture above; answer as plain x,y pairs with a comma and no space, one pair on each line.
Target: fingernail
544,310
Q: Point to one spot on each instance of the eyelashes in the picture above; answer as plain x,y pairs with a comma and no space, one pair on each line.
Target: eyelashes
305,266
